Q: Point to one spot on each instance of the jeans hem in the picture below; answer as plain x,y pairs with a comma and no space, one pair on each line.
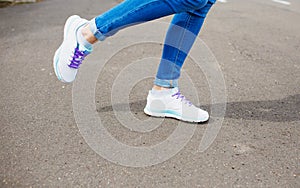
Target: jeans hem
166,83
95,31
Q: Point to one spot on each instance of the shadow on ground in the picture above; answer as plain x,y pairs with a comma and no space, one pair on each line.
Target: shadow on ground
282,110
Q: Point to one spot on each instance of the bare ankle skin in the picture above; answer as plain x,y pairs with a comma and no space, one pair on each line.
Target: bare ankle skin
156,87
88,35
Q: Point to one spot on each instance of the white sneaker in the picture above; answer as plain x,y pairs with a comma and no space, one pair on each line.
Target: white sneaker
171,103
70,54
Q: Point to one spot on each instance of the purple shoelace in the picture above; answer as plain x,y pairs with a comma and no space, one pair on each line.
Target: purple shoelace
77,58
182,97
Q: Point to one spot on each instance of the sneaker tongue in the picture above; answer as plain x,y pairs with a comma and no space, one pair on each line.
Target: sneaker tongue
174,90
86,50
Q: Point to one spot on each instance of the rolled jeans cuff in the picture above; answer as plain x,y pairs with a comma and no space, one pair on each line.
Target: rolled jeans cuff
166,83
95,31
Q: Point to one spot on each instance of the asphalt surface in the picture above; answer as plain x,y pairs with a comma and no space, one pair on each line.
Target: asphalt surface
256,44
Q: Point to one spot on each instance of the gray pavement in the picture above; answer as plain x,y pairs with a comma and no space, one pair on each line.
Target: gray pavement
257,46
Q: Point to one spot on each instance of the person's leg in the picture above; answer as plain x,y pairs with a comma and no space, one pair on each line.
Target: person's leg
131,12
79,34
165,99
180,37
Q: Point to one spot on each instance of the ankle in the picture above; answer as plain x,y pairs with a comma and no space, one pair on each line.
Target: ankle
88,35
159,88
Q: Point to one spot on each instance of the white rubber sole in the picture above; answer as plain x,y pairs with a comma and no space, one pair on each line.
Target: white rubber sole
55,62
169,115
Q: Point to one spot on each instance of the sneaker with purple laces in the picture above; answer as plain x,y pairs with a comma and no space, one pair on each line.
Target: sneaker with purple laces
69,56
171,103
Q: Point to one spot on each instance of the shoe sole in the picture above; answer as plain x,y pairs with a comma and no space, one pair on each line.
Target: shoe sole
171,115
57,52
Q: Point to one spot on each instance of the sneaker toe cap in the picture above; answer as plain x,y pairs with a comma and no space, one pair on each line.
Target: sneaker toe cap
67,74
203,115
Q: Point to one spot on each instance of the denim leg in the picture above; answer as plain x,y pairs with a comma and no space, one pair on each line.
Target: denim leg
180,37
131,12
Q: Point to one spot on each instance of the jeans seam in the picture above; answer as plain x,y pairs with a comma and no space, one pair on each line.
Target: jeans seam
180,45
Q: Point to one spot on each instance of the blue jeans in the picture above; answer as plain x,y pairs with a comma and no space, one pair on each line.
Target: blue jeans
189,16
